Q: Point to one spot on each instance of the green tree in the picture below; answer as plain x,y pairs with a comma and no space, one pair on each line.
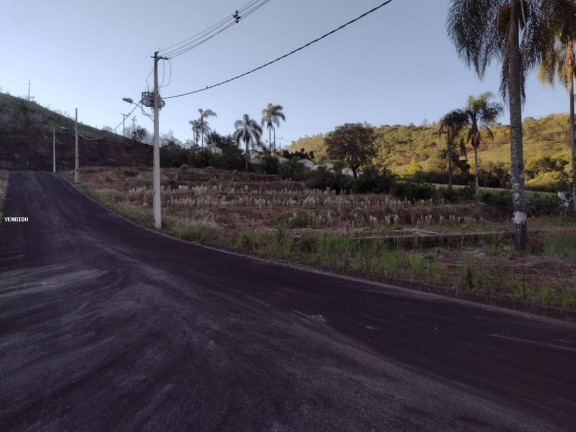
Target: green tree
481,115
560,63
414,167
249,131
271,115
352,143
139,134
490,29
451,125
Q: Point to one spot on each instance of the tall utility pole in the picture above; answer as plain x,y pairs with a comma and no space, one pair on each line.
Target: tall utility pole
156,180
53,148
76,158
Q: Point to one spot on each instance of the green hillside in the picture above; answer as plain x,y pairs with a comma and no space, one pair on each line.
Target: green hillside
407,149
26,140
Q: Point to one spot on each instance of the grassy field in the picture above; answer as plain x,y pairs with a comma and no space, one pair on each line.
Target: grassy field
464,248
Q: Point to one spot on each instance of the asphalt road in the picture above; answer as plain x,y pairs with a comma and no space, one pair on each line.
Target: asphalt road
108,327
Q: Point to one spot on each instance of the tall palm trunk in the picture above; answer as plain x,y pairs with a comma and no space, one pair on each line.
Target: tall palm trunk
247,155
274,141
270,139
476,182
449,139
516,146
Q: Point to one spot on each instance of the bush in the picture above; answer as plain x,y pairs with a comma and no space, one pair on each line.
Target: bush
459,194
542,205
501,200
269,164
324,178
414,191
371,181
294,170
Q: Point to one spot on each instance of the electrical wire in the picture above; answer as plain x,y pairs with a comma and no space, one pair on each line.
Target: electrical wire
169,75
107,132
178,46
202,41
148,77
283,56
205,35
163,74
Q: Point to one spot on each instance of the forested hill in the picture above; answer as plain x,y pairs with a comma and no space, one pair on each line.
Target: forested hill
26,140
404,149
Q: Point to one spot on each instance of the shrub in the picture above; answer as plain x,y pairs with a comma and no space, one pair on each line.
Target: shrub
294,170
324,178
414,191
269,164
371,181
542,205
501,200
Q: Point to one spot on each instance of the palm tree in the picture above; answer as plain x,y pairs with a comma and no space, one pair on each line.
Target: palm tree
271,115
481,114
490,29
203,126
195,130
249,131
451,125
560,63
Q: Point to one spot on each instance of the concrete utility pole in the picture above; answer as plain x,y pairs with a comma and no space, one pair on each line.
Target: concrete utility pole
156,181
76,158
54,149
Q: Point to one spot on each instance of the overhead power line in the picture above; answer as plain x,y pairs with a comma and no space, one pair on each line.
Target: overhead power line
205,35
107,132
284,56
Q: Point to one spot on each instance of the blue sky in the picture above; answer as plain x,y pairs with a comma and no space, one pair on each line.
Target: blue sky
396,66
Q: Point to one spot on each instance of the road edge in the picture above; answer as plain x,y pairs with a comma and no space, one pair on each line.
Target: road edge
526,310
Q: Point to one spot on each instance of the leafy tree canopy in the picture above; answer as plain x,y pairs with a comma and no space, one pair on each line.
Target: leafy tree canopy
353,143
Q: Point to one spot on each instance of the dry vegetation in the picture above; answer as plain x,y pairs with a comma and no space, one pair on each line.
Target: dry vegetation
464,247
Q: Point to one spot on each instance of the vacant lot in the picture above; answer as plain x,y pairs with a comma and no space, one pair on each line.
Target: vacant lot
464,248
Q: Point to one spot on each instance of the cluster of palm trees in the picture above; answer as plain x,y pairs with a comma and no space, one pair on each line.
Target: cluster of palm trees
521,34
200,126
246,129
479,114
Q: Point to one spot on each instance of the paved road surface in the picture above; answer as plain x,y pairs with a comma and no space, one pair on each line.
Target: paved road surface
107,327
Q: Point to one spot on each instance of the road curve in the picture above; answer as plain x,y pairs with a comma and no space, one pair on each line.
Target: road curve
108,327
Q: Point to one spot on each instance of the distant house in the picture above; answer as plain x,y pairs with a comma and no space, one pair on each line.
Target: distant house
306,162
327,165
282,160
214,149
255,155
